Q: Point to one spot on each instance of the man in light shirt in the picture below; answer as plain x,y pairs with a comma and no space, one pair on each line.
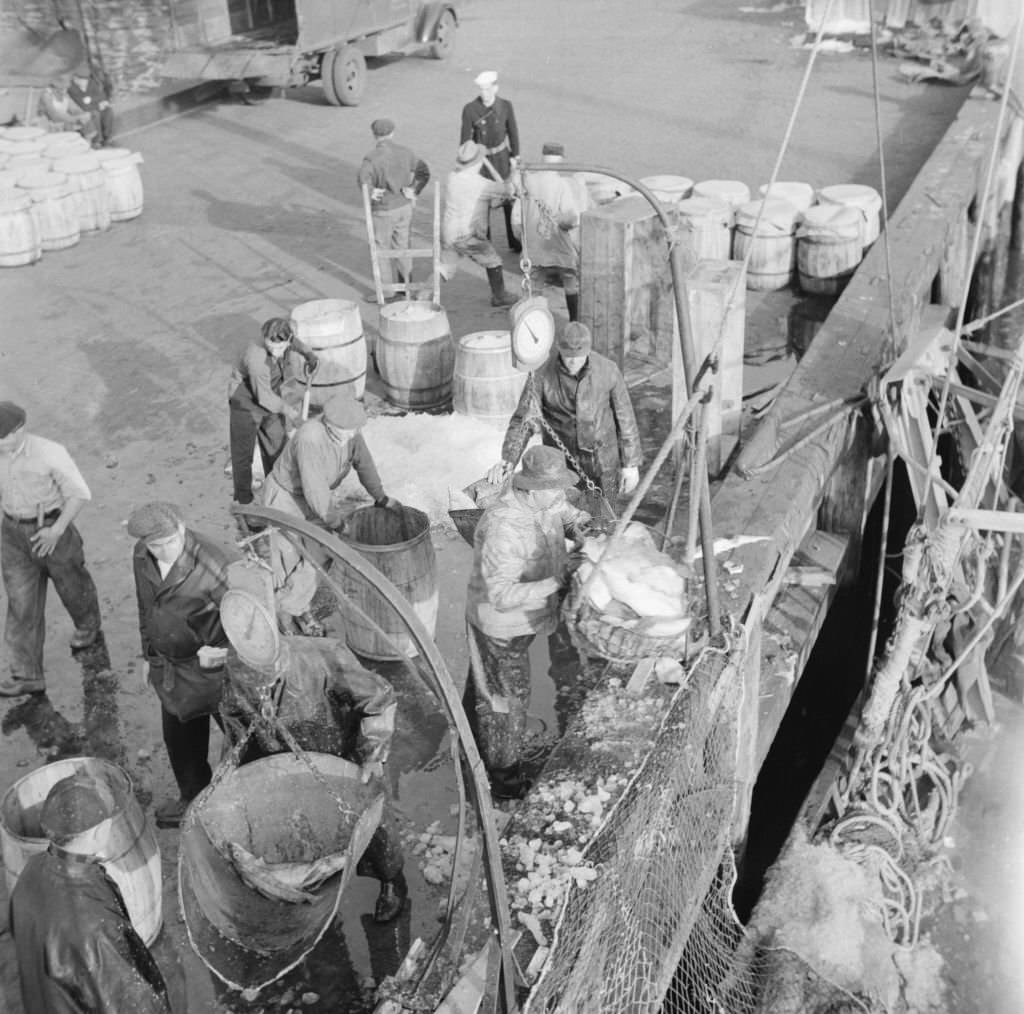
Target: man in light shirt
41,494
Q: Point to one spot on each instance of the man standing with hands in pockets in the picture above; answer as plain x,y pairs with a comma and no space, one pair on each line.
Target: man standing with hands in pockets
395,177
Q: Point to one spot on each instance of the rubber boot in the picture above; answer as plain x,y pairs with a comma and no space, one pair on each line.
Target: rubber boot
499,297
513,244
572,304
391,899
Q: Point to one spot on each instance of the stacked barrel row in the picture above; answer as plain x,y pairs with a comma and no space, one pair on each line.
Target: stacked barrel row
54,188
791,231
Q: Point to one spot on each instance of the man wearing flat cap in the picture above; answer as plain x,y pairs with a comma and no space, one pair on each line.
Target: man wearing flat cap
41,494
180,578
395,177
467,202
547,216
519,567
582,398
91,91
491,122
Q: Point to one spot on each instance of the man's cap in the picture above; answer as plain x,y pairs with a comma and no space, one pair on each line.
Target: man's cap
11,417
470,154
344,410
544,468
383,127
486,78
575,340
277,329
156,520
82,70
553,148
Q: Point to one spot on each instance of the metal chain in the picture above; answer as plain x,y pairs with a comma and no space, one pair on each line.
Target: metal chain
525,264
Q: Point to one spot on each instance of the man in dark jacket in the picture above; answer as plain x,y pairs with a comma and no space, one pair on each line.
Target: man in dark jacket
395,177
180,578
259,408
583,398
77,950
91,91
330,704
491,122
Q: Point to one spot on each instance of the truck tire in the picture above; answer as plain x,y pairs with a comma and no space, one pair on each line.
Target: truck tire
444,36
344,76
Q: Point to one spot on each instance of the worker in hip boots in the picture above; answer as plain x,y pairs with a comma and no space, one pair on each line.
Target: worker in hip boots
264,400
305,483
77,950
520,568
42,493
490,121
180,578
547,214
583,398
395,177
467,201
319,693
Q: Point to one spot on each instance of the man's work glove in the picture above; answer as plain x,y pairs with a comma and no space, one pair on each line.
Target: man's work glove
389,503
629,479
312,362
498,473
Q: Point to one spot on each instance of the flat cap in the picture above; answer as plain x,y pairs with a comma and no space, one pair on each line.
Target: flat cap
383,127
486,78
344,410
575,340
156,520
11,417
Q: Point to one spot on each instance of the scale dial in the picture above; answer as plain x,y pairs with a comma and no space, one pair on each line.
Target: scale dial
251,628
533,332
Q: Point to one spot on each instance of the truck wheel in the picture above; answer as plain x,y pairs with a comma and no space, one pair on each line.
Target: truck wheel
345,79
444,37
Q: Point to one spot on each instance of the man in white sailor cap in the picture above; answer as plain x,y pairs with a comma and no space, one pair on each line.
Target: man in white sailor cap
491,122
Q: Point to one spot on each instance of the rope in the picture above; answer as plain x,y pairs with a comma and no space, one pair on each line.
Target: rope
973,259
876,611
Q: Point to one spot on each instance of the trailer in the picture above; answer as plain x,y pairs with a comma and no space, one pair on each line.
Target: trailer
258,45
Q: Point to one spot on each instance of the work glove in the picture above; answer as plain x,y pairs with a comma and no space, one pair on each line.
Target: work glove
371,770
409,193
312,362
629,479
389,503
498,473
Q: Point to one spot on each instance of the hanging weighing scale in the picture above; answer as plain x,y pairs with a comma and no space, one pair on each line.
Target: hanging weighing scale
533,332
251,628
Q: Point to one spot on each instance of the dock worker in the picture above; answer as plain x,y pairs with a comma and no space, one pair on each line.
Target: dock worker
42,492
77,950
491,121
547,215
91,91
467,201
582,398
329,704
395,177
62,113
264,400
519,568
305,480
180,578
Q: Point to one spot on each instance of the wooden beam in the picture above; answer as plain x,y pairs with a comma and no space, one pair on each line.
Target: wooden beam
987,521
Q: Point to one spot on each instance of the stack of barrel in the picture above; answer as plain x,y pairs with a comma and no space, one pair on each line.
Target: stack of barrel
54,188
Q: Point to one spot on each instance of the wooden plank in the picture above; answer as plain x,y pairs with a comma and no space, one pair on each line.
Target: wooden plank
710,286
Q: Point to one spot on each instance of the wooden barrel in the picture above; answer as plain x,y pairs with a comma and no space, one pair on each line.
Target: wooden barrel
865,200
705,228
19,233
800,195
773,249
65,144
414,354
8,180
124,184
735,192
668,189
333,328
54,209
18,140
397,543
27,161
123,842
828,247
485,384
89,183
266,816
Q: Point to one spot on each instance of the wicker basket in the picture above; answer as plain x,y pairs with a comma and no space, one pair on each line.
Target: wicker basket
603,637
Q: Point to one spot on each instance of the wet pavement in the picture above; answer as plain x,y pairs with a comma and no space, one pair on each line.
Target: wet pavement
121,347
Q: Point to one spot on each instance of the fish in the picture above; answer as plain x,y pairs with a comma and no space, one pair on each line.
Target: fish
287,882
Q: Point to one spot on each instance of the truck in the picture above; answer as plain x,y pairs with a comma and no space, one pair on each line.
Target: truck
259,45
